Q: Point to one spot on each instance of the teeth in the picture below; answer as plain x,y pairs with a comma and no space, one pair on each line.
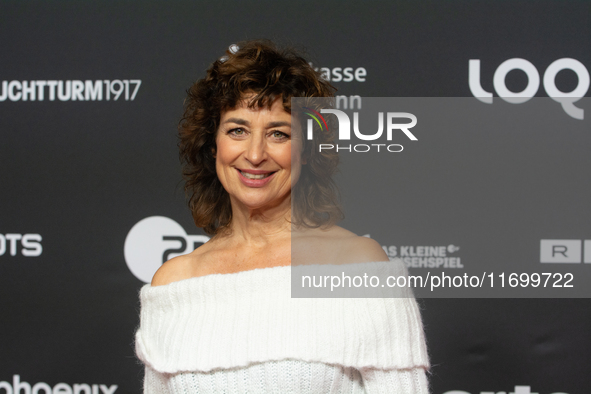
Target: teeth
253,176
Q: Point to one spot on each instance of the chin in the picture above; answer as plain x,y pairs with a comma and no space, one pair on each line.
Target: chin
258,202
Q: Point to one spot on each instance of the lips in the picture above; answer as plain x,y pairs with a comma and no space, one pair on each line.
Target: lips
255,174
255,178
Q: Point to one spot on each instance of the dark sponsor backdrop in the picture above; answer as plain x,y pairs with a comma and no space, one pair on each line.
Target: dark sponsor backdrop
81,173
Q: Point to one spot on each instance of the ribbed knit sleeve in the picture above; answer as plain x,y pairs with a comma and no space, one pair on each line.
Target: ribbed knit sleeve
235,320
398,381
289,377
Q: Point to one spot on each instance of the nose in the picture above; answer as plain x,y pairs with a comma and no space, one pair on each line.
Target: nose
256,151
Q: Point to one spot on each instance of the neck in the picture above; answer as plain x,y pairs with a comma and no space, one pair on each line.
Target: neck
261,225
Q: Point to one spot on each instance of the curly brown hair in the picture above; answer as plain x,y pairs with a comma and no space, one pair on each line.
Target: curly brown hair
270,73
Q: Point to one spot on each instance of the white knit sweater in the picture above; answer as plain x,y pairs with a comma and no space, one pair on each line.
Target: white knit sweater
243,333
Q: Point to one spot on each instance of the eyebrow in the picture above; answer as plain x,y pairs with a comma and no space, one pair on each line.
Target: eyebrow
244,122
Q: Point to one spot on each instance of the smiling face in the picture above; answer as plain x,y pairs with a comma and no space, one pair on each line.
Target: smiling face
253,157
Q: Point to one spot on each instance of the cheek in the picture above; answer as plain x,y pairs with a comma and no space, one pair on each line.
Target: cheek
222,163
296,170
285,158
225,151
223,170
222,159
296,161
220,172
296,154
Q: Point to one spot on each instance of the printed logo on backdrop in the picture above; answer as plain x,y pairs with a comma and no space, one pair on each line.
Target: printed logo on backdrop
341,74
566,99
28,245
516,390
426,256
154,240
565,251
70,90
18,387
335,74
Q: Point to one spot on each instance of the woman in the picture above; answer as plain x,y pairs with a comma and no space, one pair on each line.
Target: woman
221,319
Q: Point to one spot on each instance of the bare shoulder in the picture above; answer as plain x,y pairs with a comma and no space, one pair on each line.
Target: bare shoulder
363,249
173,270
182,267
351,248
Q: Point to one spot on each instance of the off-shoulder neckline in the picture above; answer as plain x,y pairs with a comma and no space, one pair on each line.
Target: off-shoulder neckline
247,273
216,275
